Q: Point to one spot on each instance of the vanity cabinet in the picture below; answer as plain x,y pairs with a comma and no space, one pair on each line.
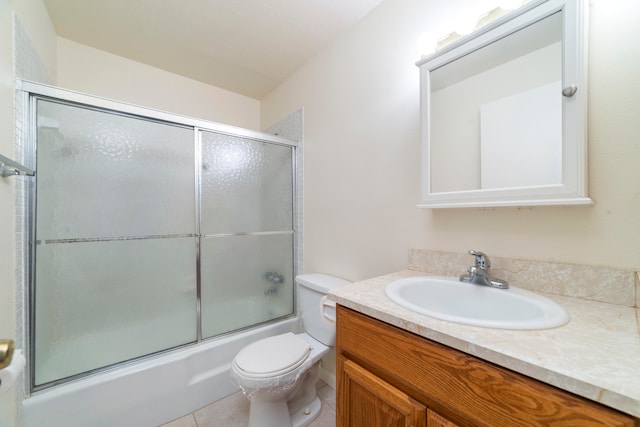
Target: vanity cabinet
387,376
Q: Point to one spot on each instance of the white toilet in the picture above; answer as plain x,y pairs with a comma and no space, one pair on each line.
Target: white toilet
278,374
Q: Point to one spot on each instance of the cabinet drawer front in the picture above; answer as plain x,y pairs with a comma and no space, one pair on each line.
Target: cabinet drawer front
463,388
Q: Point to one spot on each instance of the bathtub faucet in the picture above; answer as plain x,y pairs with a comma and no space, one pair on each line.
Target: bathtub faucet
271,291
480,273
274,277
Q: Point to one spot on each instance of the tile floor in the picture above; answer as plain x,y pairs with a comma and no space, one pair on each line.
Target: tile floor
233,411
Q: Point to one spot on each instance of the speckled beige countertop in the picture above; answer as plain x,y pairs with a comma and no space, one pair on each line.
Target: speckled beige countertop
596,355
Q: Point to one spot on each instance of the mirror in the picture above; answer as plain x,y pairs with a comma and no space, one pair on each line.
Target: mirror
502,122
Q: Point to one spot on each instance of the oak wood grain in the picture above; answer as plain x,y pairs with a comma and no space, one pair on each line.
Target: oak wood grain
368,401
466,390
436,420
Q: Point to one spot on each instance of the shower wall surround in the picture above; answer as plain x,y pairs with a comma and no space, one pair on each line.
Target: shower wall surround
28,66
602,284
292,127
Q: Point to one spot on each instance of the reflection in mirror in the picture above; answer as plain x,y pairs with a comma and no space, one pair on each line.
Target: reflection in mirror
504,112
496,118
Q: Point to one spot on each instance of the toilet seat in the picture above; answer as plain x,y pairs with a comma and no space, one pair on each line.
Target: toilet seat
273,356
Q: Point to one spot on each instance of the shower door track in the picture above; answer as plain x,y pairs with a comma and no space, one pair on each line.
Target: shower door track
90,101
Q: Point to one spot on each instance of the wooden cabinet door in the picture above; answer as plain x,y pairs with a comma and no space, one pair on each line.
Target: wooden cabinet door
368,401
475,392
436,420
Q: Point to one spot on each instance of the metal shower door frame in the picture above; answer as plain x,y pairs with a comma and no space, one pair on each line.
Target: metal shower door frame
34,92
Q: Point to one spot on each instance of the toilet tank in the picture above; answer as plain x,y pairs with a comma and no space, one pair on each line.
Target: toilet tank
318,315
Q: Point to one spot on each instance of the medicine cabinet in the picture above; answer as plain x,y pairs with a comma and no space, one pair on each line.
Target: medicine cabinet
504,112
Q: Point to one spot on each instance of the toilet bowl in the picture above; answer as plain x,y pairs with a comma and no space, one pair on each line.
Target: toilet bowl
280,382
278,374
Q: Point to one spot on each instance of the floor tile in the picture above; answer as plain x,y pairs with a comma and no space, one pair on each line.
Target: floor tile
232,411
327,395
327,417
187,421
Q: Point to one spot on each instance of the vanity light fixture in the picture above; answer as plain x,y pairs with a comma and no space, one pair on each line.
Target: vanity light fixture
426,44
509,4
466,23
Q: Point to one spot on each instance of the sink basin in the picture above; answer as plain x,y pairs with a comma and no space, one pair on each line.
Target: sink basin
447,298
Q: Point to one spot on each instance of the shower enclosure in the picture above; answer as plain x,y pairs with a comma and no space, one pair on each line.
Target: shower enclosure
150,231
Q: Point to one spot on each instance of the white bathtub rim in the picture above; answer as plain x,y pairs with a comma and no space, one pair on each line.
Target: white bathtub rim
158,389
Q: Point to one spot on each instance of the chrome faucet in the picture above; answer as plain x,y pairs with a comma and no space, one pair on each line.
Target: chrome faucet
273,277
480,274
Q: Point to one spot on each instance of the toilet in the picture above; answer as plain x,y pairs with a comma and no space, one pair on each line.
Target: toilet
279,374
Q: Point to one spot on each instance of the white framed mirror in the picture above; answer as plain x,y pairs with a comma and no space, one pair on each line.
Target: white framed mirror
504,112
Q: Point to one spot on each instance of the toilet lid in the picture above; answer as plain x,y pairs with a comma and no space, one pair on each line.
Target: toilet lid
272,356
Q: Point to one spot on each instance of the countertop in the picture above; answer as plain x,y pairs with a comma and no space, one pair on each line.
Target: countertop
596,355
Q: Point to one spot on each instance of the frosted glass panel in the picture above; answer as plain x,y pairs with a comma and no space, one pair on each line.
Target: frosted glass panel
100,303
117,243
240,281
246,185
108,175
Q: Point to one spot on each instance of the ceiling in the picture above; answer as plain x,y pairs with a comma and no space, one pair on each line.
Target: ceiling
245,46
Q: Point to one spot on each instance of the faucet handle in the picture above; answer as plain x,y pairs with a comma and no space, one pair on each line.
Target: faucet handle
482,260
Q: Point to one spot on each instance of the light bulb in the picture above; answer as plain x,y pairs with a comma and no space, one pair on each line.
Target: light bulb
465,23
509,4
426,44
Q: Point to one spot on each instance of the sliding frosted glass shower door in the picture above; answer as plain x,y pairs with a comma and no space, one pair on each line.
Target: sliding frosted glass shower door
246,253
150,231
116,239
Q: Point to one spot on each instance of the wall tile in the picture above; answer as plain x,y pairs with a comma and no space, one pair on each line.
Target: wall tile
292,127
27,66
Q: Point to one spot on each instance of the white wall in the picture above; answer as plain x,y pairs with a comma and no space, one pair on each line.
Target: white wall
356,216
362,147
96,72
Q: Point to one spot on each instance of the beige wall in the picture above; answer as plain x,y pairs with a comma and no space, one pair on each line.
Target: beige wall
96,72
362,147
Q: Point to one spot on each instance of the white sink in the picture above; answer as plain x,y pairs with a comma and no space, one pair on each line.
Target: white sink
447,298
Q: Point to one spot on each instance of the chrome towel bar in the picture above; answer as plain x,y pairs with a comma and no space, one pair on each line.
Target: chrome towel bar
10,168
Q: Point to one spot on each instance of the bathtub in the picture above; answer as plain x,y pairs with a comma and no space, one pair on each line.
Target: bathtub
150,392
